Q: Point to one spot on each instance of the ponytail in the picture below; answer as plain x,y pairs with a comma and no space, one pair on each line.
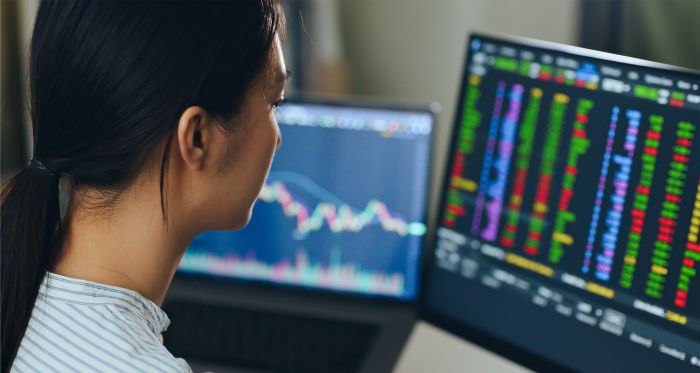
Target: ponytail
29,246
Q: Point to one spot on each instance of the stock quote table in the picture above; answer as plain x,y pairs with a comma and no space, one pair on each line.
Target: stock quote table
574,182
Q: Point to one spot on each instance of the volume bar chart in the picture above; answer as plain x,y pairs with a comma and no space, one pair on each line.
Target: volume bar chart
301,271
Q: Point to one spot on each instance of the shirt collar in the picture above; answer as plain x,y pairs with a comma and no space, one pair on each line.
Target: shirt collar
68,289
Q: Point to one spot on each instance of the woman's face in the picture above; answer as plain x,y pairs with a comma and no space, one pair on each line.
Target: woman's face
250,149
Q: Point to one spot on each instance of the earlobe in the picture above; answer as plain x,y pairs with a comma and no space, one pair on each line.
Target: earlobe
192,136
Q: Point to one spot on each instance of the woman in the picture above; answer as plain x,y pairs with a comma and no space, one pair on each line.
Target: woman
152,122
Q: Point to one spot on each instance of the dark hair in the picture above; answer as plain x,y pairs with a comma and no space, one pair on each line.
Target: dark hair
108,83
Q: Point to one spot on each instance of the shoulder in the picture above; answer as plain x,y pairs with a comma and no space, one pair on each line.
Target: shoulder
92,337
145,347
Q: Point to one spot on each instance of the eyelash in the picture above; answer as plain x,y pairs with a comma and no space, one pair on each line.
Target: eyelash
277,104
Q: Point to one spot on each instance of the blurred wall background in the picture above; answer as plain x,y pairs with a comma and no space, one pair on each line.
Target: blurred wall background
16,19
417,47
412,49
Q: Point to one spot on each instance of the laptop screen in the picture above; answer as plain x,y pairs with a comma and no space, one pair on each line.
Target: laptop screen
570,216
343,208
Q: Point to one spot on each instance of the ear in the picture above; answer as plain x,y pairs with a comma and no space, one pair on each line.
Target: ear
194,136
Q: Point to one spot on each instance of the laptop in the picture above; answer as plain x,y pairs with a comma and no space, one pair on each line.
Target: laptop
567,236
325,277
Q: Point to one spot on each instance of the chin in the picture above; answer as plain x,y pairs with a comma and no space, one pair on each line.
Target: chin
241,221
241,218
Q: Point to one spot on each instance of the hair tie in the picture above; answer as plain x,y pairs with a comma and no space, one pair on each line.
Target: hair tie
38,164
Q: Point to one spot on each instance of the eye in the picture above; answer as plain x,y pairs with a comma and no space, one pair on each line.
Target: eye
277,104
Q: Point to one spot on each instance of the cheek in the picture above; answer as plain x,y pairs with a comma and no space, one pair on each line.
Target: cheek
253,157
266,148
268,139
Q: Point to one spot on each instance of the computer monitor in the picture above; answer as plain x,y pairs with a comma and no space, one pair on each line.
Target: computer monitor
343,208
570,211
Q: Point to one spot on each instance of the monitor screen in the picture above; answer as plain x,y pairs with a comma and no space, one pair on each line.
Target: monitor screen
568,231
343,208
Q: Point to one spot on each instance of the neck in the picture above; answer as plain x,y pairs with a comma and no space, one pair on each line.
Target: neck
129,246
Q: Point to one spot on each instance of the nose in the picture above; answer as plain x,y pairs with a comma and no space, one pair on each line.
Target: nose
279,140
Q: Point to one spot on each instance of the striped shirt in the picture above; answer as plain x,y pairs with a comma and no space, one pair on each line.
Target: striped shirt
83,326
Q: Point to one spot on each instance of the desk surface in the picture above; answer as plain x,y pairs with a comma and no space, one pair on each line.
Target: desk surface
430,349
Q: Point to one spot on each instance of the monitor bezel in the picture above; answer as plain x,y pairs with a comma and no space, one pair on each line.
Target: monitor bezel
365,102
432,316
